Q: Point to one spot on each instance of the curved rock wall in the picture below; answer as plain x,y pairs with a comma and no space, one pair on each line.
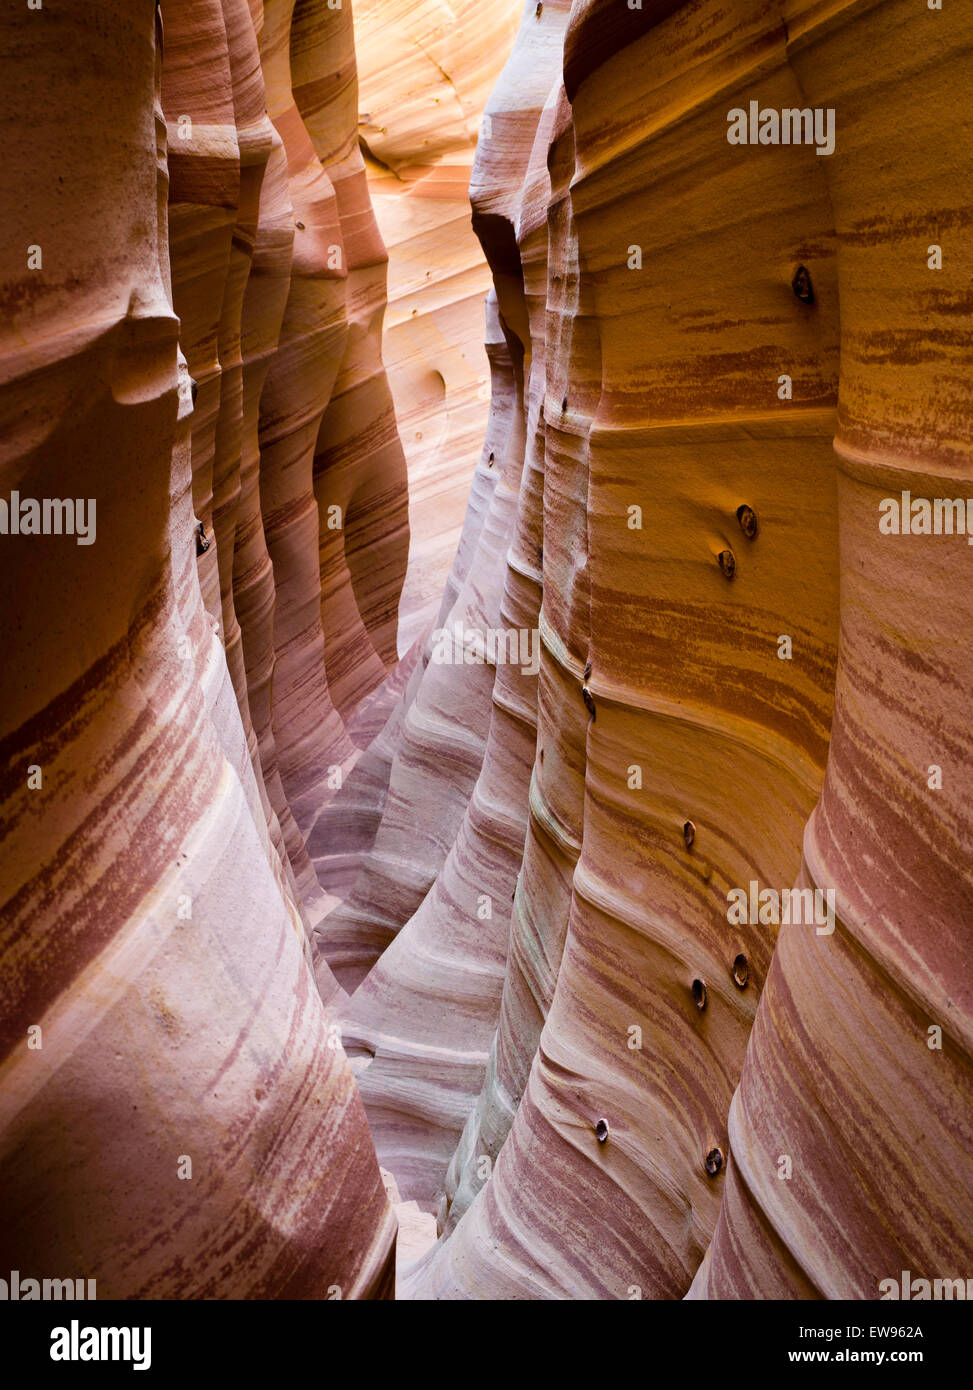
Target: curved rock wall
681,668
737,673
862,1042
427,1011
178,1117
426,70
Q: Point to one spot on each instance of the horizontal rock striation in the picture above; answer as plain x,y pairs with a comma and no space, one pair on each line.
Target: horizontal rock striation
426,70
427,1011
615,938
193,318
722,411
862,1042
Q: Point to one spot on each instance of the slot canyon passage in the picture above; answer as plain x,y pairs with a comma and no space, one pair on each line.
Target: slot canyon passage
485,723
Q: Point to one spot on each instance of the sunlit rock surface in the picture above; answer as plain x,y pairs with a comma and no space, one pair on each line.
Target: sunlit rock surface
426,69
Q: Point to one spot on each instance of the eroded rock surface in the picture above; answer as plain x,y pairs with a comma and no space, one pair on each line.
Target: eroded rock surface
517,897
714,400
178,1117
426,70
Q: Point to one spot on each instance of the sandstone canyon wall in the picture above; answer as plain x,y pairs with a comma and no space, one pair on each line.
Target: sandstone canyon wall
426,69
612,1086
490,930
192,341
